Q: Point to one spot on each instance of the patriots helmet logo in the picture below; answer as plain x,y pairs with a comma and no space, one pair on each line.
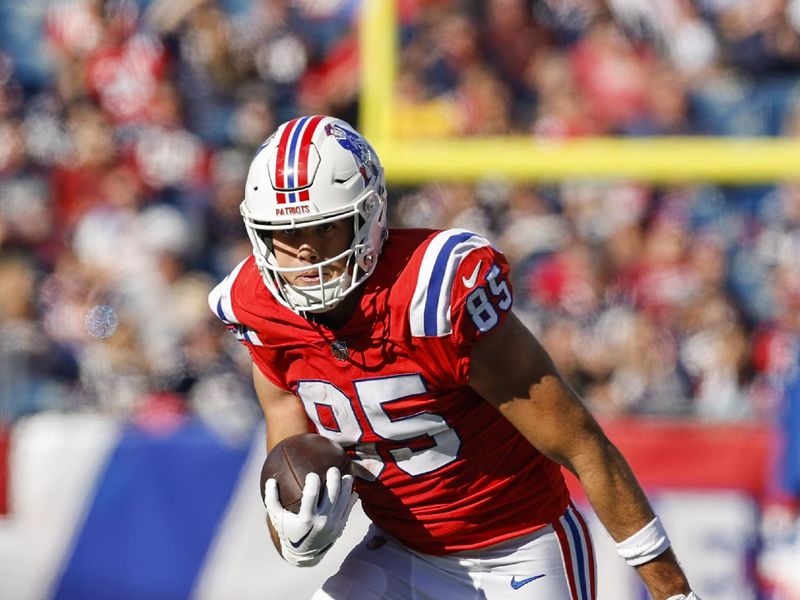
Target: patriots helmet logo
355,144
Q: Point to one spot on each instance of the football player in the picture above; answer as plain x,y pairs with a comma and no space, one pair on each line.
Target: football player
402,347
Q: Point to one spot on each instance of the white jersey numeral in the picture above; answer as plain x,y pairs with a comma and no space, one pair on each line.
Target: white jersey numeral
374,396
321,396
482,308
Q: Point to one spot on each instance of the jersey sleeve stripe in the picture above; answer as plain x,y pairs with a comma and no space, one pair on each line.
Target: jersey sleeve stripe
437,278
219,300
220,312
430,304
251,336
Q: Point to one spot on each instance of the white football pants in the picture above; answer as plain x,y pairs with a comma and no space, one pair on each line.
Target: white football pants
553,563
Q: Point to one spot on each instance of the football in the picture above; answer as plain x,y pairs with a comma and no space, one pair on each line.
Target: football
293,458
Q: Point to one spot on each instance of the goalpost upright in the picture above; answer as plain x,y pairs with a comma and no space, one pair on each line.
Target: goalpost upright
729,160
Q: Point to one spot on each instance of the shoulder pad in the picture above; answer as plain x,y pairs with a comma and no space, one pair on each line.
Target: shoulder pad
219,300
221,304
430,305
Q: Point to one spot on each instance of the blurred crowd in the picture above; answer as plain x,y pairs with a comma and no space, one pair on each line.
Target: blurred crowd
127,126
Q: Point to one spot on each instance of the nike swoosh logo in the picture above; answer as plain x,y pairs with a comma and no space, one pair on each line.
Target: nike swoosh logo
468,283
301,540
518,583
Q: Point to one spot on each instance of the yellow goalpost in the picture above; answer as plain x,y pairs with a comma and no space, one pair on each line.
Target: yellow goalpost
524,158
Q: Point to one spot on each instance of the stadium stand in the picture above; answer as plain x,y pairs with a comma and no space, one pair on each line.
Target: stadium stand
126,127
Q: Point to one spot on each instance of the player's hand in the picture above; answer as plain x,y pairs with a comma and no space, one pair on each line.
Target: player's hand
306,536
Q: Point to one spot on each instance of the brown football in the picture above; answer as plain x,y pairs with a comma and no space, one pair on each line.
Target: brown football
294,457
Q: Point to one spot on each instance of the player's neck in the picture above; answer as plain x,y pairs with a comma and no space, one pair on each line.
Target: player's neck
338,317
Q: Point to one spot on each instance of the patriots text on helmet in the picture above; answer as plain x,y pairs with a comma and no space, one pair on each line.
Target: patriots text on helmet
293,211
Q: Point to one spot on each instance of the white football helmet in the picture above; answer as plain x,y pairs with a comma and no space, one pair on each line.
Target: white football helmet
314,170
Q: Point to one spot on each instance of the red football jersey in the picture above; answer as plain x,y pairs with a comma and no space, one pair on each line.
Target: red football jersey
444,471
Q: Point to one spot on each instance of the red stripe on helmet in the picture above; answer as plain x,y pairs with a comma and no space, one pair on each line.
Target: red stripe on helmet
305,147
280,160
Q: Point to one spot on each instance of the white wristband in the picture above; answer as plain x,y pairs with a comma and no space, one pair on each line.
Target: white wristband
644,545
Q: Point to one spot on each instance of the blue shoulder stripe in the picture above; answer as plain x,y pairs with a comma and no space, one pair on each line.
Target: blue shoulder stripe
219,300
430,304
